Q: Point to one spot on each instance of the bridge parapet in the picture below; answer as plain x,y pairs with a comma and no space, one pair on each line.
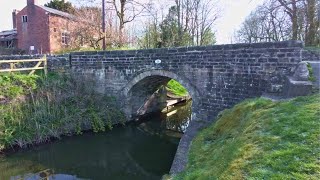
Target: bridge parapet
222,74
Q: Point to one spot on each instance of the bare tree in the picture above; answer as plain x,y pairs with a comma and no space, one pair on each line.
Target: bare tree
311,22
291,8
303,15
196,17
126,11
88,28
265,24
278,20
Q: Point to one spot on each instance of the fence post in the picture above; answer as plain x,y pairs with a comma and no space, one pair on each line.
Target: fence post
45,65
11,67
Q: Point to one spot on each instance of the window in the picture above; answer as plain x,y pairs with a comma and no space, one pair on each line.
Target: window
65,36
24,18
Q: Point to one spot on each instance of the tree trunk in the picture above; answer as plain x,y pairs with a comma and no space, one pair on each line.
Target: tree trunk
294,20
311,23
121,25
178,4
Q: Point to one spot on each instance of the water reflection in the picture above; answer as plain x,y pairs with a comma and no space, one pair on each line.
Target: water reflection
170,122
178,118
142,150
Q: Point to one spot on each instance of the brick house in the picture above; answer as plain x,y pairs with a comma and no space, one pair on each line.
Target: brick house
41,29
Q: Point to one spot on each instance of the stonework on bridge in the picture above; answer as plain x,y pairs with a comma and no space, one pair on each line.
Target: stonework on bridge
217,77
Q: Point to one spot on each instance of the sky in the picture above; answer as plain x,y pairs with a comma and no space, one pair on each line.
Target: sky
233,13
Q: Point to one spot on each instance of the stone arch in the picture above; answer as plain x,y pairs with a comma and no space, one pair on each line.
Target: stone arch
157,77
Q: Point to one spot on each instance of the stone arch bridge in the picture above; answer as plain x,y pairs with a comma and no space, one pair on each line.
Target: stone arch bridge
216,77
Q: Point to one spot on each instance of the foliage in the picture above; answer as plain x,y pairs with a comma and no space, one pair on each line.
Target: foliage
259,139
57,105
209,38
10,51
176,88
170,30
313,48
311,75
126,12
188,23
70,50
61,5
13,85
151,38
279,20
265,24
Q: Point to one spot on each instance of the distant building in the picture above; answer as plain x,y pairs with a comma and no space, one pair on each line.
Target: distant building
41,29
8,39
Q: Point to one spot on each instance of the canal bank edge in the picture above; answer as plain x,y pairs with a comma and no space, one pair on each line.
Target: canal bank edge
181,158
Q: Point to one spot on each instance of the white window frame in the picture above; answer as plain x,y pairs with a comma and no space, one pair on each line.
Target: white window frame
24,18
65,37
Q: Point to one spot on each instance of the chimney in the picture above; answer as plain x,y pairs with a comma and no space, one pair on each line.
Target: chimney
14,18
32,2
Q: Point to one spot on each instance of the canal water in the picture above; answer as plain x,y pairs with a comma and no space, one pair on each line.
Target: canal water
141,150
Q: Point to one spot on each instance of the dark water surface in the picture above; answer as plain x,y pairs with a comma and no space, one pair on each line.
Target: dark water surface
140,150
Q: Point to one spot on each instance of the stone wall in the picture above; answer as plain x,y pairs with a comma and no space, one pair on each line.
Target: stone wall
59,62
309,55
220,75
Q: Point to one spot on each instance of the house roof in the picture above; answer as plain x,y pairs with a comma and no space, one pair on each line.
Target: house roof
8,35
57,12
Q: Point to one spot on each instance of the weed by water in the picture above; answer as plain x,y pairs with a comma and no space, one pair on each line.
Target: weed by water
53,106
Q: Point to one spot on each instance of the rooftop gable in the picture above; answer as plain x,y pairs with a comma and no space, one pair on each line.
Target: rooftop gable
57,12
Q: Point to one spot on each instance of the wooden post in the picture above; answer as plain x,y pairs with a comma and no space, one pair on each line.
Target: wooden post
11,67
45,65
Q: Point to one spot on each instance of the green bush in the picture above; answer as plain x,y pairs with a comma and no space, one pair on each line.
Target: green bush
311,75
13,85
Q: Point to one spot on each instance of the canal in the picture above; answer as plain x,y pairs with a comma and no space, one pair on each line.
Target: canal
140,150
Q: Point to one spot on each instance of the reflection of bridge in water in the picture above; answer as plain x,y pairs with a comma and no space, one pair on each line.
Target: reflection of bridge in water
172,122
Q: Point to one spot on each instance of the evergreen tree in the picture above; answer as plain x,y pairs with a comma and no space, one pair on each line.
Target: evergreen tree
61,5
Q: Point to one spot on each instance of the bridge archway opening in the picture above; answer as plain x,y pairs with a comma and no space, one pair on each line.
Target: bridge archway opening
147,93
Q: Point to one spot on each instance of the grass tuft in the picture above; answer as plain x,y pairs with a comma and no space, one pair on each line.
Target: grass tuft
176,88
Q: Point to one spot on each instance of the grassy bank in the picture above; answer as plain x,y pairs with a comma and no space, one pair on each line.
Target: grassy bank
176,88
34,109
259,139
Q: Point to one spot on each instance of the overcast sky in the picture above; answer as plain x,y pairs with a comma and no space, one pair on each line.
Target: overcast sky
233,14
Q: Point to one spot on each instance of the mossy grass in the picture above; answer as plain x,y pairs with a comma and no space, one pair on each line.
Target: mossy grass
313,48
176,88
311,75
259,139
13,85
52,106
